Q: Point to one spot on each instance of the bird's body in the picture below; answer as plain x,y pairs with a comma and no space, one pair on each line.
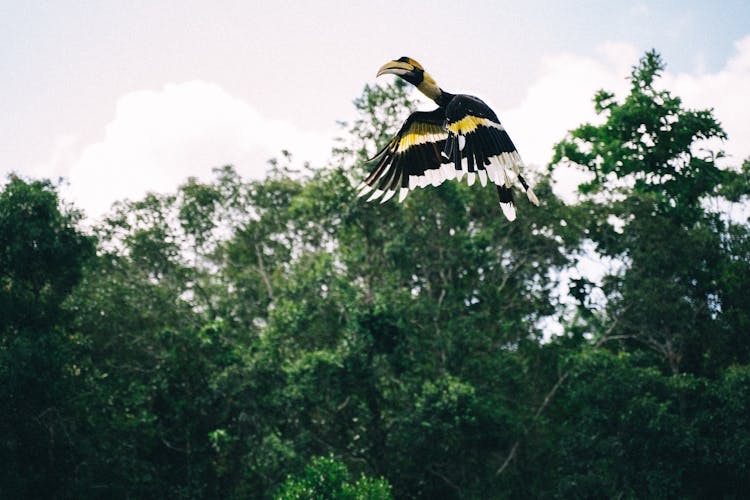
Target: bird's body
463,136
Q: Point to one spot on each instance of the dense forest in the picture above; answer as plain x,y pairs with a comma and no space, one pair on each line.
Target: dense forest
282,338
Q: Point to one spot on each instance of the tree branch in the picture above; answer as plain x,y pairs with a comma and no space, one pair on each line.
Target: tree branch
445,480
263,273
547,400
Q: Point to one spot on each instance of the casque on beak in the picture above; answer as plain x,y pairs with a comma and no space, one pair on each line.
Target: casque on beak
399,68
413,72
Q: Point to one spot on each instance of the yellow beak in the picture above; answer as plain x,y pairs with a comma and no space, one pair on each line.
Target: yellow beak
395,68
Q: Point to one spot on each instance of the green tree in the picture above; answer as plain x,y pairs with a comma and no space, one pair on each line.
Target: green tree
156,348
645,207
233,332
633,420
42,255
326,478
391,312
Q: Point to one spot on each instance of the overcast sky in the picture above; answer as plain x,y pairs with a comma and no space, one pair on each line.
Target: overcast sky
124,97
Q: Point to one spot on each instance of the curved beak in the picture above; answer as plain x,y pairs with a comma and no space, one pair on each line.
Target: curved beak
395,68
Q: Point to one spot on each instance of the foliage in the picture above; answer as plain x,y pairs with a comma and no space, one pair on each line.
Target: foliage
647,207
41,260
280,338
327,478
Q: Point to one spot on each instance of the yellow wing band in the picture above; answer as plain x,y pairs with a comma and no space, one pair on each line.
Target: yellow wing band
420,133
469,124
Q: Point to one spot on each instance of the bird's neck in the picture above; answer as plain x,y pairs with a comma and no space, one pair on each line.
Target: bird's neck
443,98
440,96
430,88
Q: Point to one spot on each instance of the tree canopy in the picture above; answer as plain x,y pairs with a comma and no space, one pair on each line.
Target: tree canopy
279,338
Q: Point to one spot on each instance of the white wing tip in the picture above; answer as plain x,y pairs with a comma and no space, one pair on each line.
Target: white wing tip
388,195
483,178
509,210
363,190
376,194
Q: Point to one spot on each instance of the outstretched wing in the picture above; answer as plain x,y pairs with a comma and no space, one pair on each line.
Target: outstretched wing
411,159
480,147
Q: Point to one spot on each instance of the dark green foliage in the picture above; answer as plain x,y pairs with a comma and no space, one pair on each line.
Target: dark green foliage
284,339
41,259
41,256
630,431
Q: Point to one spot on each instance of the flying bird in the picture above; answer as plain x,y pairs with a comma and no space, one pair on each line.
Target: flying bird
463,136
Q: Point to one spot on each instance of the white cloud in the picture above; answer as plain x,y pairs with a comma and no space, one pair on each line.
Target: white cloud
159,138
726,91
561,99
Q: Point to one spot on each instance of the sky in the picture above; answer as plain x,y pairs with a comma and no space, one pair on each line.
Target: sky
121,98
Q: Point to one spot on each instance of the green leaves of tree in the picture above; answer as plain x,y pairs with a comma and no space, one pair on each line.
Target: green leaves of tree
646,206
282,338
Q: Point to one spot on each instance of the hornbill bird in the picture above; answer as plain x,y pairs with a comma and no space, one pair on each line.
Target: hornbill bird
463,136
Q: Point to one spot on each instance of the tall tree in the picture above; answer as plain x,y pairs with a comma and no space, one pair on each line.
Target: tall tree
652,172
42,255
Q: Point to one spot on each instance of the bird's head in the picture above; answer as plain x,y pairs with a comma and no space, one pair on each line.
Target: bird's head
413,72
